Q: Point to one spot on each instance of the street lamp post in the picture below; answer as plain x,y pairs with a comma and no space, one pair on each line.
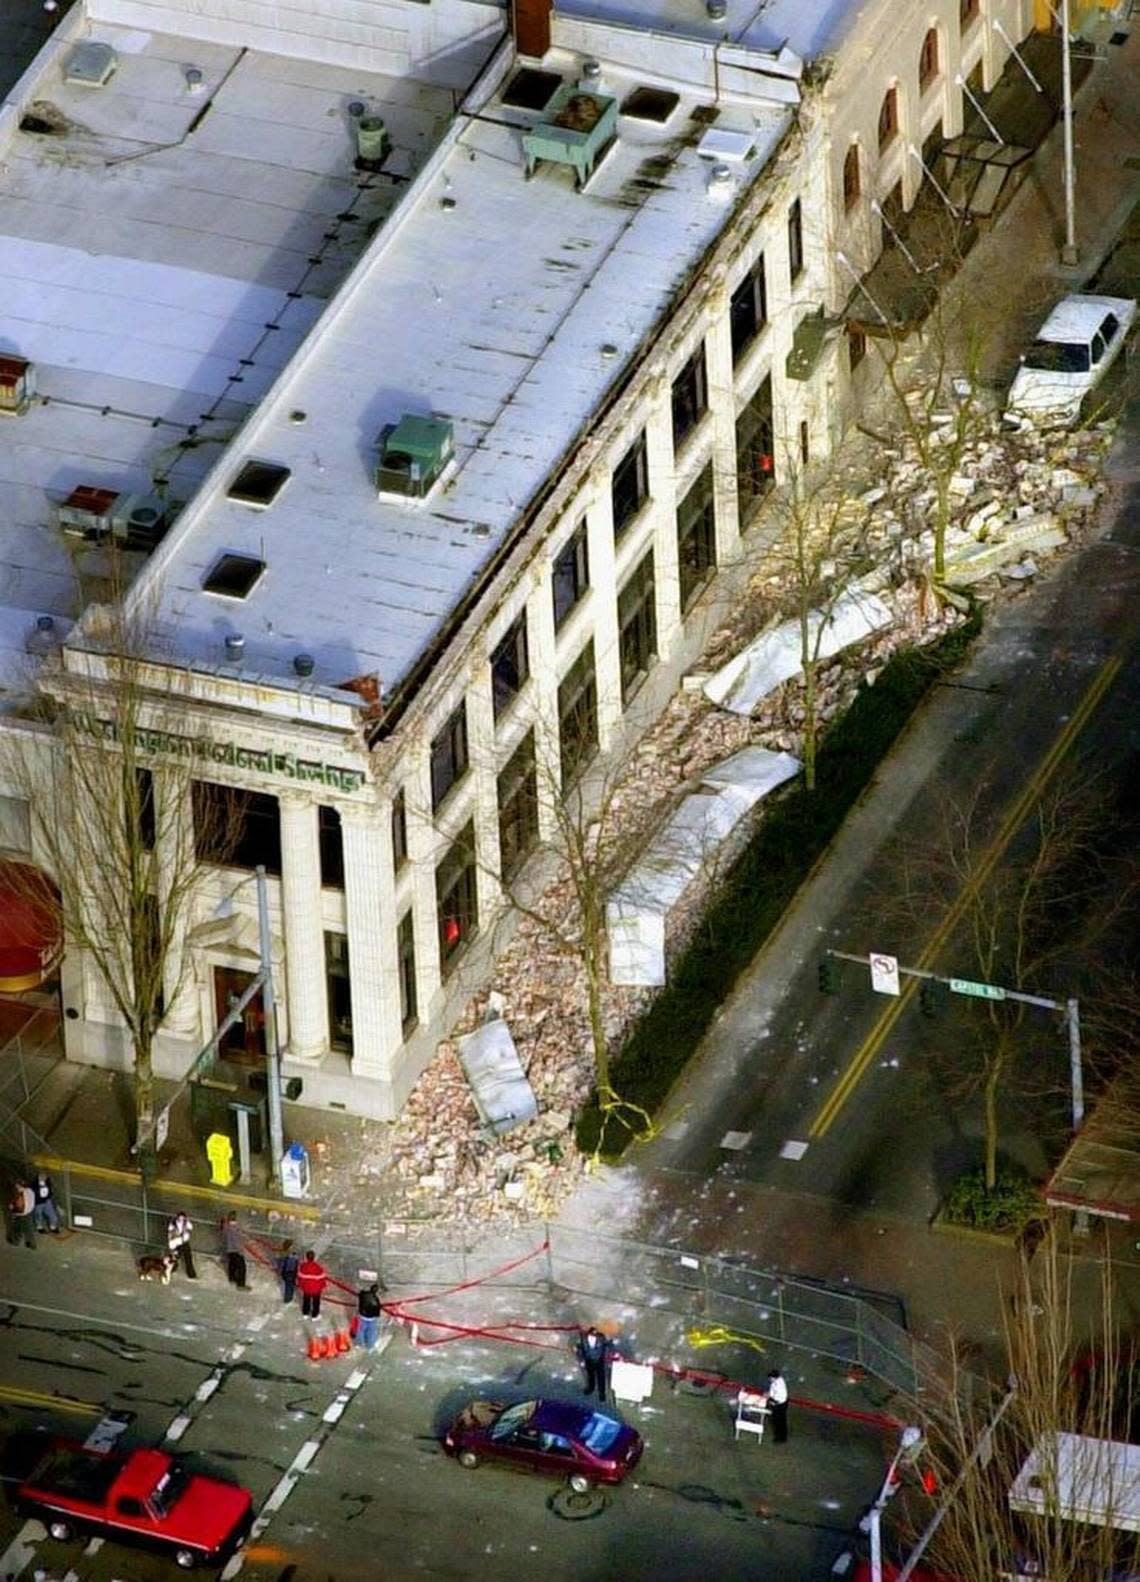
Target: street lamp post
1069,250
909,1439
272,1042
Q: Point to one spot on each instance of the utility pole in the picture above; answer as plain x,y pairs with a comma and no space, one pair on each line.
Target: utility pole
1069,250
272,1043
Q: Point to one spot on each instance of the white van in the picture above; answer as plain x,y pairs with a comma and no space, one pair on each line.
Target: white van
1074,349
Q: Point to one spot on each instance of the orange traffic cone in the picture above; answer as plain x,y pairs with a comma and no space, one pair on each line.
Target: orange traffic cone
315,1348
328,1346
343,1340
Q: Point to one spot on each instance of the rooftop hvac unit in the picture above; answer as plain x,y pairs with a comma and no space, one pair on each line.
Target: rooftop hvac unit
96,515
577,128
90,65
17,384
413,454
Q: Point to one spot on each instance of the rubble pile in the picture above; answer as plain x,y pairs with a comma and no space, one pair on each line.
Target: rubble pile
440,1163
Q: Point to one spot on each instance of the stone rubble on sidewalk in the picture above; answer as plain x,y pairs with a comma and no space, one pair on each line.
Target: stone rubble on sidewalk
438,1166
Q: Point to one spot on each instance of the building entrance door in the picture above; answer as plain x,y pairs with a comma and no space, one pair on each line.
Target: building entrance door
244,1043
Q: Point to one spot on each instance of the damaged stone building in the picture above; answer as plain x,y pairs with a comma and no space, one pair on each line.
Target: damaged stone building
453,355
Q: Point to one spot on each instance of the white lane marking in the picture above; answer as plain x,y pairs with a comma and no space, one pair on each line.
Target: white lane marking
335,1411
793,1149
356,1378
178,1427
94,1545
207,1387
21,1549
281,1493
305,1455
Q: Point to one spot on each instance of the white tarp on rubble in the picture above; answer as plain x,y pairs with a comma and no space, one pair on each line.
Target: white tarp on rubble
774,657
688,842
491,1064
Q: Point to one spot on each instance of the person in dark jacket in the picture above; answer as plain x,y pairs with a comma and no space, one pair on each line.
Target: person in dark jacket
368,1313
287,1265
45,1213
21,1211
234,1248
312,1277
594,1354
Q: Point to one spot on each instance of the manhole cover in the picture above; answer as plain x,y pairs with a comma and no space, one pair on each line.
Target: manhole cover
577,1507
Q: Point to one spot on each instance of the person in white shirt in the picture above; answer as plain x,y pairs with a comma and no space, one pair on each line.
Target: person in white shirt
179,1229
777,1394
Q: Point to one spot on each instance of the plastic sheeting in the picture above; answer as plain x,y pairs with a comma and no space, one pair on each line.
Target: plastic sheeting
491,1064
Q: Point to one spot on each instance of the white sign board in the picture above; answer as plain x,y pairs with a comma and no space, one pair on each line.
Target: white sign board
631,1381
885,974
161,1128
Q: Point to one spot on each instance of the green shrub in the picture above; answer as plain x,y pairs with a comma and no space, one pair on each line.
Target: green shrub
1012,1204
796,830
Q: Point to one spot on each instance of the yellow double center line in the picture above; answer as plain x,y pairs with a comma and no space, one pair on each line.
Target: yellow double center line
1014,818
41,1398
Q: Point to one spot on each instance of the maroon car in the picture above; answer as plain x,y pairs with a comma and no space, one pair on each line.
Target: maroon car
583,1444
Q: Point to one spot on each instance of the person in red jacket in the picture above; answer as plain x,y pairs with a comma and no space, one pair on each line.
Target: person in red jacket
312,1277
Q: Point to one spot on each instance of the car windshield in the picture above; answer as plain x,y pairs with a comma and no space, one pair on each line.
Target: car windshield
1058,357
168,1490
513,1418
600,1432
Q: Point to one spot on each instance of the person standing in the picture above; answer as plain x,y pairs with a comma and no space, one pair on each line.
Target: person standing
179,1229
368,1311
46,1213
312,1277
287,1265
593,1350
21,1211
234,1248
777,1394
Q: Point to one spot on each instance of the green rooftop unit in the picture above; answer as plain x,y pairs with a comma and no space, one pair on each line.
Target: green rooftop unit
577,127
413,453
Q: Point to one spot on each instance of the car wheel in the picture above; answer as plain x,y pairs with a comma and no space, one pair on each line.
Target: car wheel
186,1558
468,1459
60,1531
580,1483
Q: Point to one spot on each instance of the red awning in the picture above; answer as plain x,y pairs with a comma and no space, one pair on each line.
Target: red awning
31,927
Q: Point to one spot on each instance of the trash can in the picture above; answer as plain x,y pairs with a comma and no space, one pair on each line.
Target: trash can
295,1171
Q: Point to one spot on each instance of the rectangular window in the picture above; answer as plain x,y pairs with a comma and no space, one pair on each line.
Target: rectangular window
449,761
748,310
339,991
144,781
406,964
332,848
795,240
399,830
805,443
968,13
518,808
16,825
510,666
928,66
696,537
755,461
571,575
888,118
856,346
235,828
578,716
690,397
629,489
637,627
457,902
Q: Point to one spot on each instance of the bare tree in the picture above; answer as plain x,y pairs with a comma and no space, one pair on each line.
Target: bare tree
115,821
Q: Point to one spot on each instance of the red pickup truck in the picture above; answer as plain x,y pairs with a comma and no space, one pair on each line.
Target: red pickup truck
139,1497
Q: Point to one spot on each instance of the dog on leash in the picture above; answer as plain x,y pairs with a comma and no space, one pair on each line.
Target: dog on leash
154,1267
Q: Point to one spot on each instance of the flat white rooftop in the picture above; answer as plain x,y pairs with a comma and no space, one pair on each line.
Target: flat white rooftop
164,249
487,300
810,28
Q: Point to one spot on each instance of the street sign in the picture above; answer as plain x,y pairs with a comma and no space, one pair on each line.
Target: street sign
885,974
978,991
161,1127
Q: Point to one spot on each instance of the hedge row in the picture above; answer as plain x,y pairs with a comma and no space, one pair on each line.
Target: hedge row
756,891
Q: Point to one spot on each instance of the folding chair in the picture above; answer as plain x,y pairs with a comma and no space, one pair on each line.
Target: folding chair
751,1413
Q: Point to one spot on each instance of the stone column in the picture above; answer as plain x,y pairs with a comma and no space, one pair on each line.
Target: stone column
306,991
177,863
722,402
485,801
544,680
663,491
603,606
370,908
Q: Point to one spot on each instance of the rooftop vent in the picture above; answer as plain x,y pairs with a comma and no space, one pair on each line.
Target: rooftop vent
17,384
96,515
531,89
577,128
234,576
650,104
413,453
716,10
235,646
42,638
373,144
90,65
304,664
258,483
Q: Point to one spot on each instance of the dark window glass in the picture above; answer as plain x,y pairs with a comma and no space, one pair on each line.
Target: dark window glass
571,576
805,442
795,240
748,310
968,12
852,181
234,576
339,984
690,396
258,483
578,715
856,346
637,627
457,904
240,829
145,809
399,831
928,59
332,848
630,486
518,808
888,117
406,963
510,666
696,537
449,762
755,461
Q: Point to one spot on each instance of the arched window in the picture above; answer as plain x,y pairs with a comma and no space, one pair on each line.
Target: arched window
968,13
888,118
851,180
928,60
